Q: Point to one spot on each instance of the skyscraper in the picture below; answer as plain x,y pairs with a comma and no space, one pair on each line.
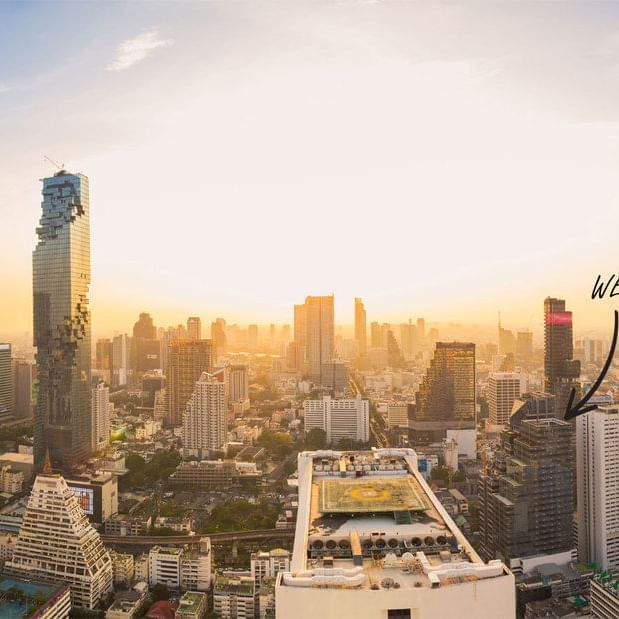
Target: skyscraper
100,416
361,335
57,543
346,418
524,348
22,388
560,368
447,391
300,335
187,360
121,347
597,480
503,390
320,340
526,491
205,418
145,353
194,328
6,382
238,383
218,335
61,279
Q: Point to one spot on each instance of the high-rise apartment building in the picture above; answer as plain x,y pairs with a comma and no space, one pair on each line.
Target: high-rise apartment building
597,480
187,359
339,419
320,338
408,339
447,392
103,354
100,416
6,380
524,349
194,328
145,353
526,491
121,348
57,543
503,391
361,335
22,388
218,335
61,279
238,383
205,420
560,367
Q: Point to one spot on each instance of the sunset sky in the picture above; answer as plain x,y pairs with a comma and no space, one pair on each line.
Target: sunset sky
446,160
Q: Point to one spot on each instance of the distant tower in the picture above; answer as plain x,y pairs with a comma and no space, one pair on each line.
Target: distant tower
61,279
6,382
320,342
361,335
560,369
194,328
56,542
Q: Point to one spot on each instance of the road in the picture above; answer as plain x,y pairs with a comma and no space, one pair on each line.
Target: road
154,540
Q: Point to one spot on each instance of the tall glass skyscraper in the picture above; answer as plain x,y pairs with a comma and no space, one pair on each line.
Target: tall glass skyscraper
61,279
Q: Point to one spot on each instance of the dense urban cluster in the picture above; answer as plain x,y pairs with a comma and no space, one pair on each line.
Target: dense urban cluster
313,469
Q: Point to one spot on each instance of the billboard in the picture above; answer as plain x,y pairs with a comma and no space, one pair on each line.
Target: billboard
86,499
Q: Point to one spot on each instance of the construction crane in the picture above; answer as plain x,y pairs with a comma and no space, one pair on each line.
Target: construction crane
54,163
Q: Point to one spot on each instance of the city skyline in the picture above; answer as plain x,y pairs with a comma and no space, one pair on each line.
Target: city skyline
389,115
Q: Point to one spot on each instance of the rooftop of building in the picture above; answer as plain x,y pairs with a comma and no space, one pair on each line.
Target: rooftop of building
19,598
231,583
609,580
190,602
369,520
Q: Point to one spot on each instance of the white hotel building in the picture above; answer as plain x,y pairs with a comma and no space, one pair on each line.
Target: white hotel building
373,542
339,418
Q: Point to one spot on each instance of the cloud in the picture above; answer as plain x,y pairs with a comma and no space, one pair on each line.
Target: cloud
4,88
134,50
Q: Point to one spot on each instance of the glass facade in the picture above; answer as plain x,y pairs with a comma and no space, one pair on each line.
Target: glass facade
61,279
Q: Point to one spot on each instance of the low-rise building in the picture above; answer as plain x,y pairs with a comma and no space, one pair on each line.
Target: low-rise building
235,596
215,474
11,480
21,598
605,595
268,564
181,568
97,495
140,568
126,606
123,569
192,605
124,525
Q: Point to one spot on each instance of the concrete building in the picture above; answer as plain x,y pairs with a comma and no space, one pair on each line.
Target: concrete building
604,593
181,568
122,524
238,384
215,474
503,391
56,542
193,605
235,596
101,412
30,598
121,347
361,335
187,360
194,328
97,495
346,521
126,606
397,415
11,480
268,564
320,335
123,569
339,418
6,380
597,480
205,420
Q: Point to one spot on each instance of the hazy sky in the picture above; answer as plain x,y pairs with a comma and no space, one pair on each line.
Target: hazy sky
446,160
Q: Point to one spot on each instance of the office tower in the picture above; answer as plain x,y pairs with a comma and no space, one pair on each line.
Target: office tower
187,360
300,336
597,480
361,335
121,347
379,334
238,383
339,419
61,279
356,553
535,405
503,390
447,391
103,354
408,339
335,376
320,339
194,328
57,543
524,349
169,335
22,388
6,380
100,416
397,415
205,419
526,491
421,330
218,335
560,369
507,341
145,352
294,356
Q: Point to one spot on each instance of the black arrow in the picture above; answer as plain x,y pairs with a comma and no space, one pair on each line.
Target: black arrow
580,408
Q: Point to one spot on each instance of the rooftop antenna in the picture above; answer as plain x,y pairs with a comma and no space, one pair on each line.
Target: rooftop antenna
54,163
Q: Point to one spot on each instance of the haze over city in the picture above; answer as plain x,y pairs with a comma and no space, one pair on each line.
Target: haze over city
446,161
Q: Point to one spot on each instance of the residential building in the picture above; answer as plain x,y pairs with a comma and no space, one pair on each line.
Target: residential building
56,542
101,412
235,596
267,564
11,480
503,391
122,524
123,569
604,593
187,360
357,506
346,418
193,605
597,480
320,335
6,380
30,598
164,566
397,415
22,388
181,568
121,347
194,328
205,424
238,383
127,605
61,280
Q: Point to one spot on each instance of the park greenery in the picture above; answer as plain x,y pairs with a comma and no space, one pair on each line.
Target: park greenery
142,473
241,515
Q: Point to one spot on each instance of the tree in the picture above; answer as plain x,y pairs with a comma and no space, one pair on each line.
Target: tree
159,592
316,438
